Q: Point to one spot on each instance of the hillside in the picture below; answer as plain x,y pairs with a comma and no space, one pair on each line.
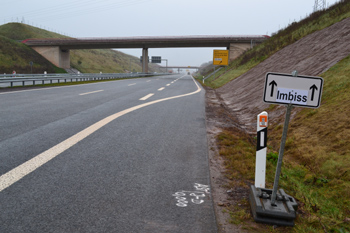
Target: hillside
16,56
317,154
311,55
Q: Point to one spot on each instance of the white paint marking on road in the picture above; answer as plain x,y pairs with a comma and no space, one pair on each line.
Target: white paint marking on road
148,81
87,93
31,165
196,197
168,85
132,84
161,89
147,96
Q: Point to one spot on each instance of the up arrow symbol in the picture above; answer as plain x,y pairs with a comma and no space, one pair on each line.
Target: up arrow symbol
273,84
313,88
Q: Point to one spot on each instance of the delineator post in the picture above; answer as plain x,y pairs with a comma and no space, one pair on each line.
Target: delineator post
260,164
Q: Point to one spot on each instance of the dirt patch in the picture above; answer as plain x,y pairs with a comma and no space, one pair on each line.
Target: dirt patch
224,195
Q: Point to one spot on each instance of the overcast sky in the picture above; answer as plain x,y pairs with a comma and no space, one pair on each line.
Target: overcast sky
120,18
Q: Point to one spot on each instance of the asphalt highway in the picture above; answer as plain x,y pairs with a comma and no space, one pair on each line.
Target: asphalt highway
119,156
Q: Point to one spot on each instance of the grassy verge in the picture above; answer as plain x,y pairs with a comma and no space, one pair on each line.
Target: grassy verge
316,162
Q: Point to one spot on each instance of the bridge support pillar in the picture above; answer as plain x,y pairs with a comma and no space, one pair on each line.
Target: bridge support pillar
55,55
236,49
145,60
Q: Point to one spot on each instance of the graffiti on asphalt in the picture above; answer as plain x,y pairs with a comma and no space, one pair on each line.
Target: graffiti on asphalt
196,197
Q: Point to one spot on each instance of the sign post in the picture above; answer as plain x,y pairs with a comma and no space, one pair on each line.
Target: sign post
302,91
220,58
156,59
31,67
280,155
275,206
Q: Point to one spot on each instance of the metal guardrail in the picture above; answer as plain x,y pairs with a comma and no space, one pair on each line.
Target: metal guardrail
211,74
49,78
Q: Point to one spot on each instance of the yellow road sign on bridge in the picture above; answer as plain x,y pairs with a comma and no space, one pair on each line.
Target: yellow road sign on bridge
220,58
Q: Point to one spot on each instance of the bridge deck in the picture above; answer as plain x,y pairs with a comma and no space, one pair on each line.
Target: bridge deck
147,42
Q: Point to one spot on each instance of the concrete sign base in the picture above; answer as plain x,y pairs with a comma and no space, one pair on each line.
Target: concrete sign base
282,213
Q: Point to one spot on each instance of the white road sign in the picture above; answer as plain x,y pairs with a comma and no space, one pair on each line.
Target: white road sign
302,91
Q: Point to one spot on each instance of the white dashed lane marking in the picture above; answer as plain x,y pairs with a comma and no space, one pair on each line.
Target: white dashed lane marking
87,93
147,96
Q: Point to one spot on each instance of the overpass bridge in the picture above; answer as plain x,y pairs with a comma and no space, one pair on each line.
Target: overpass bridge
57,51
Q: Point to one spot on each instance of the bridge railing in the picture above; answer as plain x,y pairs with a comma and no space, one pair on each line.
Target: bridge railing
41,79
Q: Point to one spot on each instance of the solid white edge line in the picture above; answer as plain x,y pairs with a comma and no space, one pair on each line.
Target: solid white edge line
31,165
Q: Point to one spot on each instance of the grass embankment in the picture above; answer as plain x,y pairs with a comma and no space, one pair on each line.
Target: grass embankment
106,61
297,30
20,31
316,163
16,56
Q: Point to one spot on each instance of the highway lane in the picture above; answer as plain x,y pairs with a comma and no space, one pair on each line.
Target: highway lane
144,171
